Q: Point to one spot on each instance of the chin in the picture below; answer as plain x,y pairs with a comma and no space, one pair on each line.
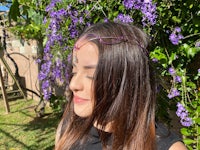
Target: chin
82,112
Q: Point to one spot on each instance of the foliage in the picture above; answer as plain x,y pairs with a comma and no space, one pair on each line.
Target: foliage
28,17
177,53
57,103
173,27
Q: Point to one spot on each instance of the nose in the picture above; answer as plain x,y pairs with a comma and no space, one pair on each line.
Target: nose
76,83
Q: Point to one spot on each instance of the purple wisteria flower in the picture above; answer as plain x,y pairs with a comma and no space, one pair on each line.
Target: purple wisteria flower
45,84
176,36
149,11
198,70
177,29
124,18
128,4
147,8
178,79
38,61
197,44
182,113
45,20
47,93
173,93
45,69
155,60
52,4
106,19
171,71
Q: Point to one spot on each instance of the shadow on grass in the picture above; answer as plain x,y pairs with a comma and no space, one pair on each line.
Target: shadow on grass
13,139
47,121
45,126
31,132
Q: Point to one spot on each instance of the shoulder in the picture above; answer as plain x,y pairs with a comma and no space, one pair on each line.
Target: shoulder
178,146
167,140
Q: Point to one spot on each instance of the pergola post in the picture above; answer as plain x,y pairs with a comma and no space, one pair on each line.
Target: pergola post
4,93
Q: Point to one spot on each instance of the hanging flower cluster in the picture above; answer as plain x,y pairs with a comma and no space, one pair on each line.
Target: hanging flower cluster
173,93
51,70
183,114
177,79
176,36
53,62
124,18
147,8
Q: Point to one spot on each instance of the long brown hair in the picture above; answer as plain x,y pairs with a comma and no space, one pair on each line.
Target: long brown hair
124,91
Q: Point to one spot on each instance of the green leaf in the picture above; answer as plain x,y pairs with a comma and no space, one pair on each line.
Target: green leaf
197,120
115,13
188,141
14,11
172,58
198,110
159,55
121,8
192,85
191,52
36,17
176,19
185,132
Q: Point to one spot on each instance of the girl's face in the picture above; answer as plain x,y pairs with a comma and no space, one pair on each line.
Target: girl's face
85,60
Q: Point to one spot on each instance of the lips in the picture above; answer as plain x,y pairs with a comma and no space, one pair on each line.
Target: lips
79,100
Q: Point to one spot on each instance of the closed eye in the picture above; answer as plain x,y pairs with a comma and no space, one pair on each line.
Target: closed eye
90,77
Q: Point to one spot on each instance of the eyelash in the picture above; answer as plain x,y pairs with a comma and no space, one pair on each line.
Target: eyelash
89,77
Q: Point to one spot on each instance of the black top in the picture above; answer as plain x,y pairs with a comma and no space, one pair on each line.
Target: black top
164,139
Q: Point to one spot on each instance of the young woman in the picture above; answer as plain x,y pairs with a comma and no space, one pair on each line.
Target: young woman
112,103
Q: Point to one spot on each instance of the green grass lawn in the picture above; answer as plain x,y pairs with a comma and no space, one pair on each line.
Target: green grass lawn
21,129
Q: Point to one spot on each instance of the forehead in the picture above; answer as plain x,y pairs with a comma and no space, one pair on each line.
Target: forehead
86,52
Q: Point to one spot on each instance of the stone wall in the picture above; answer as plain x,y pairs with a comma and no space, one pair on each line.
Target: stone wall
24,53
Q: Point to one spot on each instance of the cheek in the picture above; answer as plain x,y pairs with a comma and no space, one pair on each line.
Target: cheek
90,93
90,90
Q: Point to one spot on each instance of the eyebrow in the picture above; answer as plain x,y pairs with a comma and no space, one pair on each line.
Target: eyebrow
86,67
89,66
